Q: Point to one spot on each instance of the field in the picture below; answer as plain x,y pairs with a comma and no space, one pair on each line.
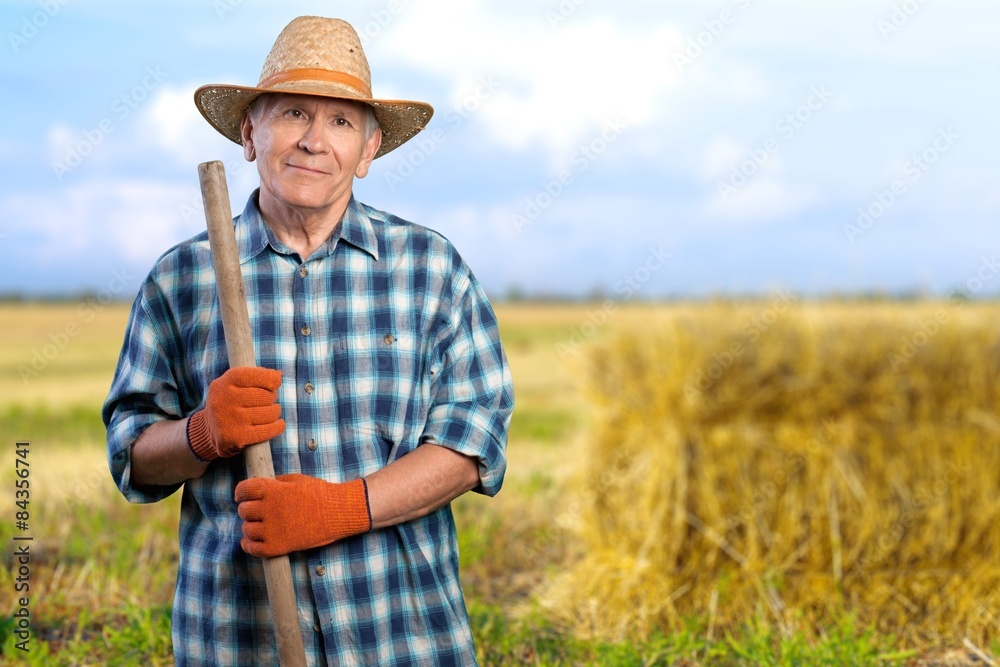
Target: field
543,579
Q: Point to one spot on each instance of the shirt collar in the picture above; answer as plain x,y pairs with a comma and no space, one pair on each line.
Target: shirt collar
356,228
253,234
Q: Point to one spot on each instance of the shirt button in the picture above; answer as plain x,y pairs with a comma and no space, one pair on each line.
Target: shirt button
320,570
316,628
309,387
305,330
389,339
312,444
303,271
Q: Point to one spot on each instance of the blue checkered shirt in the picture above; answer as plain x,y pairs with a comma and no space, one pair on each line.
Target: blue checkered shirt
386,341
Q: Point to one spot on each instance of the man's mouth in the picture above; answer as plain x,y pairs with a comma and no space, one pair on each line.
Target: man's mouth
307,169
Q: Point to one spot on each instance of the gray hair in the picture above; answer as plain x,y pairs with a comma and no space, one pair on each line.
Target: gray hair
262,104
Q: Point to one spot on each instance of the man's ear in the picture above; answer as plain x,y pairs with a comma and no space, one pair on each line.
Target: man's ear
371,148
246,133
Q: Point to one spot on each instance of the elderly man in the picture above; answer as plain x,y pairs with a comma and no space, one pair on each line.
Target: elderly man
382,386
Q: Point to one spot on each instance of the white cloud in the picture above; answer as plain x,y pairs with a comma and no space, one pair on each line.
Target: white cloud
59,140
145,219
558,86
134,220
170,129
172,124
719,157
555,85
165,131
763,199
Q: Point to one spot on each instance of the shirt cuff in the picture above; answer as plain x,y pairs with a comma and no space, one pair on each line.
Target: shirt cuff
467,430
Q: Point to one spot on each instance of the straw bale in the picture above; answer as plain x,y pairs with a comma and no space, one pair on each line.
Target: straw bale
798,464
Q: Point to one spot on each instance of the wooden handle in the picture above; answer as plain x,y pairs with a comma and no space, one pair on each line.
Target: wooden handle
239,346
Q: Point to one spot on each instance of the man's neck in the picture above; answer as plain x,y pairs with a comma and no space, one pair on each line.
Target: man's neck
302,230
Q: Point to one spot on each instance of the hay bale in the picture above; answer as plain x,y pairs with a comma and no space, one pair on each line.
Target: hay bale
823,460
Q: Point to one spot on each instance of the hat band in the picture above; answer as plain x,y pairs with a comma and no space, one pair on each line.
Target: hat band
316,74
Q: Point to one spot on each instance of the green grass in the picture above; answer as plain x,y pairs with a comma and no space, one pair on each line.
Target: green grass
138,636
841,644
533,640
43,424
550,425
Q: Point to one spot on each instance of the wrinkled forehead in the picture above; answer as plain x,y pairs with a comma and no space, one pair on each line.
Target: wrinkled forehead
270,101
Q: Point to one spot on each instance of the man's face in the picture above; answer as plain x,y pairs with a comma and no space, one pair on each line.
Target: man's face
308,151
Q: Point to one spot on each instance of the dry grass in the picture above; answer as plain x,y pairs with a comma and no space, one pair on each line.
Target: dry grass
104,573
59,355
798,465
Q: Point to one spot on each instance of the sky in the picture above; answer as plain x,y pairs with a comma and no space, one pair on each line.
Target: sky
627,148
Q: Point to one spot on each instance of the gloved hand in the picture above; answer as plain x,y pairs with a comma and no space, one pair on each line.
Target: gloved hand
296,512
241,410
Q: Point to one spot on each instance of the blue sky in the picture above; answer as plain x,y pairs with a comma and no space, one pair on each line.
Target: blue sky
578,146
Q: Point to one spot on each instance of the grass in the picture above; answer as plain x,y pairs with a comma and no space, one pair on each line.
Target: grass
533,640
137,636
75,424
103,572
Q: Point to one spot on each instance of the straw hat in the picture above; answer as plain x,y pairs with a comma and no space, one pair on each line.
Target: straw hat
314,56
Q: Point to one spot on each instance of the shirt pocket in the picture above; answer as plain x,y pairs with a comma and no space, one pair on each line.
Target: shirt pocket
380,393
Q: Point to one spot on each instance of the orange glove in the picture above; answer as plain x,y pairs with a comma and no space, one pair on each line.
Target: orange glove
296,512
241,410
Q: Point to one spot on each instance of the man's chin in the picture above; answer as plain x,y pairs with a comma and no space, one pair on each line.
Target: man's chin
306,200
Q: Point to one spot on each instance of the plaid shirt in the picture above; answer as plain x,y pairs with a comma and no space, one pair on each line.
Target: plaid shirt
386,341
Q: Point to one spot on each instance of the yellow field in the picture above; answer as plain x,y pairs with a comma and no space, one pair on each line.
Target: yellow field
656,473
59,355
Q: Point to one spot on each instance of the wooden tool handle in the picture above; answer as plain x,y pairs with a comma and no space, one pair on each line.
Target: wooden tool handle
239,346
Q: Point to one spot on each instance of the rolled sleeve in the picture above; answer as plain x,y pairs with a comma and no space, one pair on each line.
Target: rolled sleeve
120,438
142,393
473,393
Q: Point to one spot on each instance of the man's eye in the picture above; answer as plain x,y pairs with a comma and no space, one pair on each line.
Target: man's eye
294,113
342,122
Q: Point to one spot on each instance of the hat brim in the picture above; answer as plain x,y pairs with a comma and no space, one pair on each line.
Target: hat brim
224,106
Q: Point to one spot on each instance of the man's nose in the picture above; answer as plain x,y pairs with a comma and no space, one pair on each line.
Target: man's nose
314,139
